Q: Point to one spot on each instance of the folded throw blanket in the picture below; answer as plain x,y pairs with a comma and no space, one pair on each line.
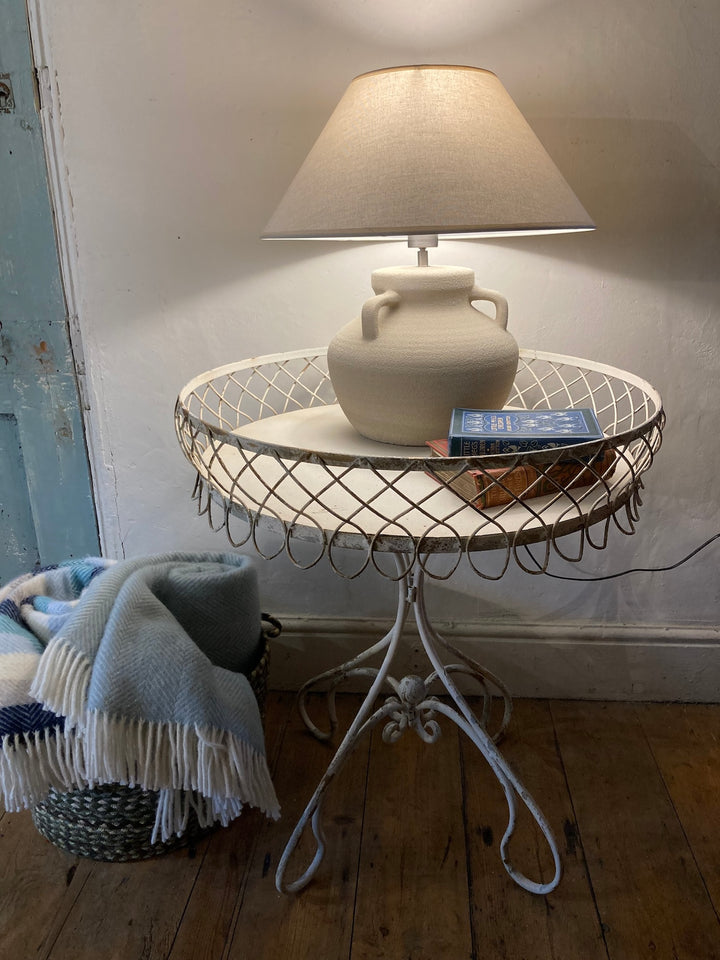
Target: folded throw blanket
134,672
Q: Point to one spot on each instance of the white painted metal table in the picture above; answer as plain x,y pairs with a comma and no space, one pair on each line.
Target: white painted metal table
274,454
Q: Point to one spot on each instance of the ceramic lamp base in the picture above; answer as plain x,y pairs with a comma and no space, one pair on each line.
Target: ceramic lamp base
418,350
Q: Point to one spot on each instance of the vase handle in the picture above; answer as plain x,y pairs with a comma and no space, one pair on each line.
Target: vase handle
371,310
501,304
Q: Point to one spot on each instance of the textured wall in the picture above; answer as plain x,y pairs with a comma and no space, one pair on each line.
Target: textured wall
183,124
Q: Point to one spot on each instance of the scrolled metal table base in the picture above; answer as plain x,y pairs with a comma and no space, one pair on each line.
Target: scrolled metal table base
410,705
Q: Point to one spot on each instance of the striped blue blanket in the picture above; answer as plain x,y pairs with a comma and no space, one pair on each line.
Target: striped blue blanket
135,672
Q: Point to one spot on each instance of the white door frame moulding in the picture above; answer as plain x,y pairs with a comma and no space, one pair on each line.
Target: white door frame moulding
102,471
554,660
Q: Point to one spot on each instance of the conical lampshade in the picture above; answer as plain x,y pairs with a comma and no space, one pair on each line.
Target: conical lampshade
426,150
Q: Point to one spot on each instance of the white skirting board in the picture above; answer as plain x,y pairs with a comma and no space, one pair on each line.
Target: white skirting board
566,661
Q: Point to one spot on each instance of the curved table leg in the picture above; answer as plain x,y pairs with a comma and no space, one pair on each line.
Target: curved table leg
352,668
411,707
485,678
485,692
360,725
468,722
313,811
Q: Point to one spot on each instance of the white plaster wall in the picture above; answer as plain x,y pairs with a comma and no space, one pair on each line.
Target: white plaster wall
184,122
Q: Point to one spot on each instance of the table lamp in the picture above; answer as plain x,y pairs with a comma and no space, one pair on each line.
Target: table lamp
421,152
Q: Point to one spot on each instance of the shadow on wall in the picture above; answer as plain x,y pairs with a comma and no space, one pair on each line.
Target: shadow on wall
653,194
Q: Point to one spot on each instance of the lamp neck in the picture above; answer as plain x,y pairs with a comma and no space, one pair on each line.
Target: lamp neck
421,242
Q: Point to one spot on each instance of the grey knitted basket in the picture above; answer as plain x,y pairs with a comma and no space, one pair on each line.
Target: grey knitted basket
115,822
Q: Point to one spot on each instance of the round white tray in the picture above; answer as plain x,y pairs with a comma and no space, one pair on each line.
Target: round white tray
271,447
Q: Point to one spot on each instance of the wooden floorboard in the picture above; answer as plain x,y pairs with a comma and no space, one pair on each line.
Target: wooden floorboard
319,922
412,896
651,897
508,921
39,885
211,913
412,870
685,739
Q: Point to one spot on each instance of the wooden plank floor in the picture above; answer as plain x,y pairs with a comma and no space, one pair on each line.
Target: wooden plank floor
412,870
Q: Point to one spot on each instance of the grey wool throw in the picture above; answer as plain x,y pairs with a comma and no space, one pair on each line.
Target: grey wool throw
134,672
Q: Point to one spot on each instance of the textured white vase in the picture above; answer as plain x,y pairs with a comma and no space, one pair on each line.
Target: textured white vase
419,349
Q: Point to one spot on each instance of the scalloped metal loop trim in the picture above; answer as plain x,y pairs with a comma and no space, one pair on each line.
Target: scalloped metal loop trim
209,514
505,563
573,509
376,550
366,551
254,531
228,532
384,534
403,571
542,567
424,559
576,555
590,533
425,551
197,487
203,489
322,544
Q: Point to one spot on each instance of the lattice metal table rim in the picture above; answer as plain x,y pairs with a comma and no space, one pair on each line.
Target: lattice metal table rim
335,458
387,543
534,520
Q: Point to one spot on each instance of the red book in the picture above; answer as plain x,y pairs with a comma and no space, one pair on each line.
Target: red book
496,486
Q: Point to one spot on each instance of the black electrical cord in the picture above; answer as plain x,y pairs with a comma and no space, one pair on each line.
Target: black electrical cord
624,573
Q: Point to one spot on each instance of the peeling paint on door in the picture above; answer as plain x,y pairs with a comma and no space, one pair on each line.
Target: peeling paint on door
46,506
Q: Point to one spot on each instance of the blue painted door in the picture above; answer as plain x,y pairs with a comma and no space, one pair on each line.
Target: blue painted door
46,506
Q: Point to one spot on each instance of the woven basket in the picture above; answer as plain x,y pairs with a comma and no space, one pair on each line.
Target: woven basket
114,822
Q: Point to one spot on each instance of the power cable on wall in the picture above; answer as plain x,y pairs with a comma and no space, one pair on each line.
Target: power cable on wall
624,573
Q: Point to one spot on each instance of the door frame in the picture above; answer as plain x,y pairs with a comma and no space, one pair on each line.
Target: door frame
102,470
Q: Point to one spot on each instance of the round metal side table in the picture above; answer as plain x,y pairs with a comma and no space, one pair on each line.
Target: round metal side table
274,454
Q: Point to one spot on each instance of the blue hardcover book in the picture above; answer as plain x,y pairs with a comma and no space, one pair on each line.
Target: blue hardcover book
478,432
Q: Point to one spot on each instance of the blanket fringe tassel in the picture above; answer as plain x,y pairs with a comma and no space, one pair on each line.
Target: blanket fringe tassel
177,760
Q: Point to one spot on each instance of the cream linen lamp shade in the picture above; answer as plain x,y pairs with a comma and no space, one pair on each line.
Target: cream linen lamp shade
421,152
426,150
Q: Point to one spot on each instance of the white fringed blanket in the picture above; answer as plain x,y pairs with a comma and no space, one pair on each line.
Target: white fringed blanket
134,673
